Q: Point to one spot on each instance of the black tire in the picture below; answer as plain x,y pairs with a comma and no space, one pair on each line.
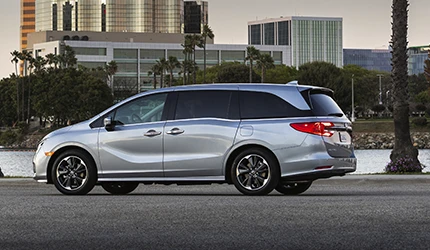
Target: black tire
74,172
119,188
255,171
293,188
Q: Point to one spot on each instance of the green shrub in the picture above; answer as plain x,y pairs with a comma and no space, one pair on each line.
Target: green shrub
7,138
419,121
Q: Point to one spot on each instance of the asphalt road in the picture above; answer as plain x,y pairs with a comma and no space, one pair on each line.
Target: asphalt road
351,213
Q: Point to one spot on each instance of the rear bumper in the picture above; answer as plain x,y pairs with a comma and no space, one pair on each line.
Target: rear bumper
311,170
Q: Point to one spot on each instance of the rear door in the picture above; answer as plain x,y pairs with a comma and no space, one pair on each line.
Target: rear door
203,129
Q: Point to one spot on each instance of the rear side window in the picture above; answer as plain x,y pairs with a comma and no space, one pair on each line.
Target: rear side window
204,104
260,105
324,105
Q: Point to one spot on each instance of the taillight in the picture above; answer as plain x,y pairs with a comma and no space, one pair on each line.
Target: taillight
316,128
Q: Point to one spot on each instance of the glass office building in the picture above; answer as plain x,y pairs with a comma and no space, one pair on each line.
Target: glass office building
154,16
370,59
417,56
310,38
195,16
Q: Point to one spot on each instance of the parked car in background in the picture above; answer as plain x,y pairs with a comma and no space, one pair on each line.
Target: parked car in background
258,137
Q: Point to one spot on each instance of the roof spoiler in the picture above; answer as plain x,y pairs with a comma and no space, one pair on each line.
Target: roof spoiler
294,83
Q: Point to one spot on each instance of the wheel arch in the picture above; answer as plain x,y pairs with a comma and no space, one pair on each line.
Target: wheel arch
237,151
58,152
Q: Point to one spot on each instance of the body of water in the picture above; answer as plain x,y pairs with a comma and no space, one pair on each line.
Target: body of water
19,163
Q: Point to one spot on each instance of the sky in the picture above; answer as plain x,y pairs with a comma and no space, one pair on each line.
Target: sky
366,23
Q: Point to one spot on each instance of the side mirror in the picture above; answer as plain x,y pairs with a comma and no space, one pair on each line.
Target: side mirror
109,124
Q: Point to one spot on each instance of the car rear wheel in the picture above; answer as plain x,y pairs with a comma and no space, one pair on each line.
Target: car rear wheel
74,173
119,188
293,188
255,172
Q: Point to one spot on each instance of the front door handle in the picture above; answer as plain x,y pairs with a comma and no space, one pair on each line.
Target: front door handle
151,133
175,131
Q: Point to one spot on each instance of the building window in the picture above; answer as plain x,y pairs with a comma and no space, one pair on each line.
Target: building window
283,33
269,33
152,54
125,53
232,55
255,34
90,51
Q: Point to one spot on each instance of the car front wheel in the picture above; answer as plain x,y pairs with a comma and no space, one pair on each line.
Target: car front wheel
119,188
74,173
293,188
255,172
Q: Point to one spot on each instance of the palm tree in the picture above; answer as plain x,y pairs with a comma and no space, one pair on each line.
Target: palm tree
111,68
52,59
264,62
402,144
191,42
188,50
427,68
252,54
171,64
15,59
155,70
162,66
207,32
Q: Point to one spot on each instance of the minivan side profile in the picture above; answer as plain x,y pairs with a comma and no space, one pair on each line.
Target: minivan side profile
259,137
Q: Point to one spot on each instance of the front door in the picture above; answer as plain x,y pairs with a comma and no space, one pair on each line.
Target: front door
134,148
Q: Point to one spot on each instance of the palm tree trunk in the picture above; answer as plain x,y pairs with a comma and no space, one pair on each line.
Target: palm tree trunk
263,72
403,146
194,68
204,61
171,78
155,81
250,71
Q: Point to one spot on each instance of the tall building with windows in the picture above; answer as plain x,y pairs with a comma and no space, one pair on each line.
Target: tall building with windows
310,38
27,23
370,59
416,57
153,16
195,16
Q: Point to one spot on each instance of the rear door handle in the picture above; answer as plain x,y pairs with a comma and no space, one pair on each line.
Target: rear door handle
151,133
175,131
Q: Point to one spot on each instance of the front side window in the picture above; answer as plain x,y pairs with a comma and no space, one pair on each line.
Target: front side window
141,110
201,104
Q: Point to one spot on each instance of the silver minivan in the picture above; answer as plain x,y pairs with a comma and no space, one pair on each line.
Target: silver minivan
258,137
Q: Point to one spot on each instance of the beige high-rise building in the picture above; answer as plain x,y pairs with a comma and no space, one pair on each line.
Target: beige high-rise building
154,16
27,23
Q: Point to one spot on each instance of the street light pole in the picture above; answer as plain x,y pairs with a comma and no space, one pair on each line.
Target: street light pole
352,98
380,88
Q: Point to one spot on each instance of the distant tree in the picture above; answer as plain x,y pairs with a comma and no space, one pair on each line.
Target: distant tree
235,73
207,33
252,54
111,68
281,74
171,64
264,62
190,44
427,68
155,70
162,66
402,144
15,59
417,84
